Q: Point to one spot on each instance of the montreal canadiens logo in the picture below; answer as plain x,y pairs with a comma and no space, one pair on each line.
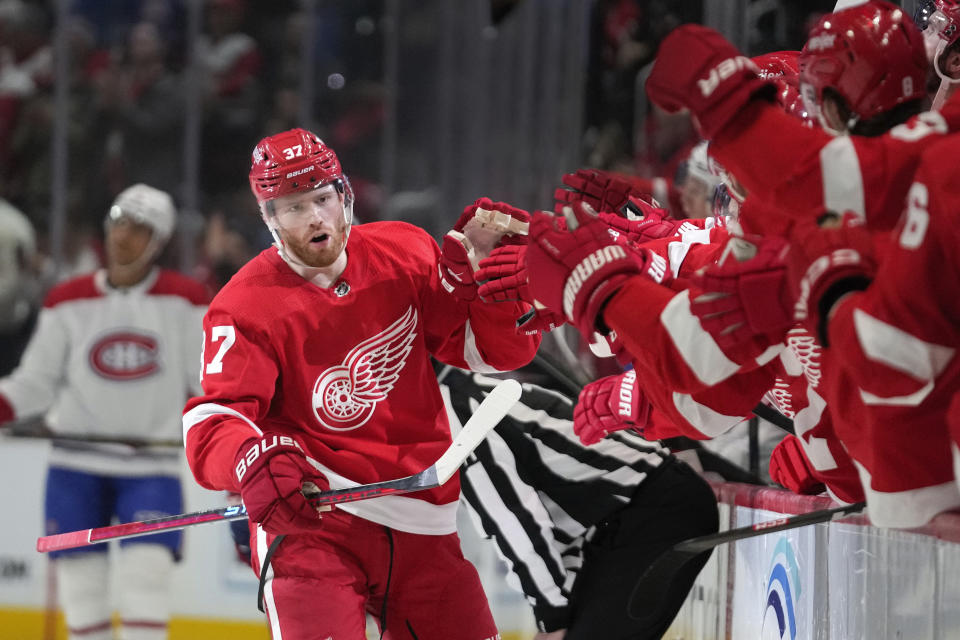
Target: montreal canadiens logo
127,354
783,592
345,396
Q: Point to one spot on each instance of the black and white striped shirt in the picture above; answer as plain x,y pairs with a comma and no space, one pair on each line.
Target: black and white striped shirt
538,492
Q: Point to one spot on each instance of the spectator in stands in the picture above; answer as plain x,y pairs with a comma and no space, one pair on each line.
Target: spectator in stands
141,110
231,61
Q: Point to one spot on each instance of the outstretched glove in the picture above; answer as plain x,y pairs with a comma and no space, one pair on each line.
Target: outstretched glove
504,278
790,468
504,275
610,404
654,225
602,190
698,69
271,472
481,227
747,302
825,265
576,270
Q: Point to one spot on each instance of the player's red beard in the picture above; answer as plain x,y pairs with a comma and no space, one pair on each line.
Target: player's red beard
317,246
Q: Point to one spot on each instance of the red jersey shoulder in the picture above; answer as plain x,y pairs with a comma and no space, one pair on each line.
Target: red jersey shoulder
79,288
171,283
397,238
263,278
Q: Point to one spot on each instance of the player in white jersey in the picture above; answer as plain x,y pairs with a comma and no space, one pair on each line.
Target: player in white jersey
114,357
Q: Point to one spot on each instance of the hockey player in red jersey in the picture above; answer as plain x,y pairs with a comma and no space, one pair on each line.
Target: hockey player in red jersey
891,330
317,369
713,375
861,73
697,384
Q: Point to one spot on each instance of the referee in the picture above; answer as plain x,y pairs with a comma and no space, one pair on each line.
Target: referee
578,525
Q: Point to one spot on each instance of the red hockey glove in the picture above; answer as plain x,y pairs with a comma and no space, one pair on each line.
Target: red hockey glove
610,404
504,275
271,472
825,265
576,270
698,69
602,190
481,227
655,224
790,468
747,302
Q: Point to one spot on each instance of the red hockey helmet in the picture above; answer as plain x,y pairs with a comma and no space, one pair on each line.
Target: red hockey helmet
783,68
294,161
871,54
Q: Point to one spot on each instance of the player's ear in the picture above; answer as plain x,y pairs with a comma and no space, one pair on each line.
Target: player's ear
950,64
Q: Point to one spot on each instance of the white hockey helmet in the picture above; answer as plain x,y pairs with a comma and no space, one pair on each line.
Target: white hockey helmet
148,206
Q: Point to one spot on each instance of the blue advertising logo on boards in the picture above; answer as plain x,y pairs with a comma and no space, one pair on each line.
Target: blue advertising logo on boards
783,592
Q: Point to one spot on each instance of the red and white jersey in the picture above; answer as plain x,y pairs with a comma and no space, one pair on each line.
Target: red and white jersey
346,370
112,362
805,170
894,348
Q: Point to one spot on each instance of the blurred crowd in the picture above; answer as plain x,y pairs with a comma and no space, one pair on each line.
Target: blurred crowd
130,88
129,85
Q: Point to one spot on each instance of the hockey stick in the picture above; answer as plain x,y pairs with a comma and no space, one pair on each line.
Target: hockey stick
774,417
135,443
36,428
493,408
655,581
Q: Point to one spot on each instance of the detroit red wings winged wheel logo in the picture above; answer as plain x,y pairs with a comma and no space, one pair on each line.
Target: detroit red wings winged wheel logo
346,395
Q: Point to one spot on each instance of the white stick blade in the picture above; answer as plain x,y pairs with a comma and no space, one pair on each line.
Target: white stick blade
490,412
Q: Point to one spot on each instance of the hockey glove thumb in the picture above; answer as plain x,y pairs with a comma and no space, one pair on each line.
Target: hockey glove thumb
457,260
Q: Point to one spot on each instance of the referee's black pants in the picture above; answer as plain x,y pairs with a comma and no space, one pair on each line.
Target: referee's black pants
673,505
